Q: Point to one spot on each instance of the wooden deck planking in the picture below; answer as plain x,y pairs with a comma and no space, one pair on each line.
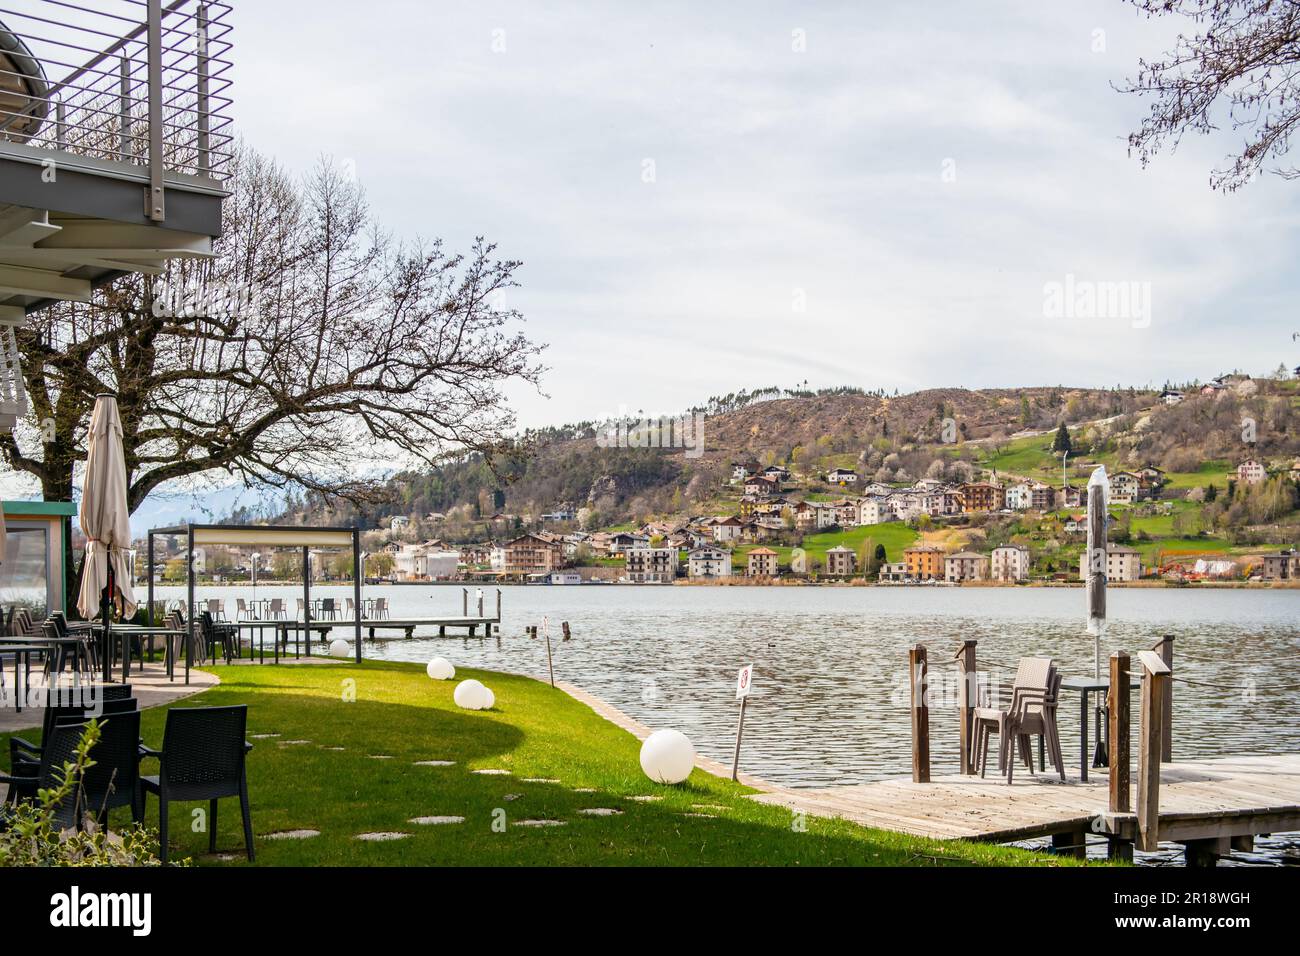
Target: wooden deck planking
1240,794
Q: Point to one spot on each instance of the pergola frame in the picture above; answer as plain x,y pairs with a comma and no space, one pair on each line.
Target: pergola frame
271,536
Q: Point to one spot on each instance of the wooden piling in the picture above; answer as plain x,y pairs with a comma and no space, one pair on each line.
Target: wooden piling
1165,648
565,628
918,673
1155,673
966,693
1118,704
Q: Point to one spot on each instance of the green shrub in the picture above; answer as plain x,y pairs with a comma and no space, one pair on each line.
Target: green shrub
31,836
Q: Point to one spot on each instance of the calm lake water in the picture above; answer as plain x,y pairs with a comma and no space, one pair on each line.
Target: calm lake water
830,686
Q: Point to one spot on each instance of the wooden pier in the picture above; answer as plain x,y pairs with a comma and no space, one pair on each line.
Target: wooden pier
1211,806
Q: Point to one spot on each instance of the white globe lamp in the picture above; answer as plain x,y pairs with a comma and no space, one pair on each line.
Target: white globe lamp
667,756
472,695
490,699
440,669
339,648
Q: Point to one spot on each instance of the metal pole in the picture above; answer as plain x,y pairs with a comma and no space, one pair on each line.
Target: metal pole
150,552
155,199
189,605
124,109
306,598
358,572
203,124
740,729
61,125
546,629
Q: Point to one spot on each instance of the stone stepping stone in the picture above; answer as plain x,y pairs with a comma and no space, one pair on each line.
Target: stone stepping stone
291,835
435,821
263,736
701,816
380,756
645,797
435,763
540,780
539,823
382,836
584,789
708,806
334,748
512,796
289,743
492,772
224,857
601,812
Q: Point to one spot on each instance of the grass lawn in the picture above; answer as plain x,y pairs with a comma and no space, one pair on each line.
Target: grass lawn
298,782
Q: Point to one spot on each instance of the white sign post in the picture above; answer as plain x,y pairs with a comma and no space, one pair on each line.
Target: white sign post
744,683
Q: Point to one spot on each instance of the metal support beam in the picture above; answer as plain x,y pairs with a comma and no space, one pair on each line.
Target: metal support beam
155,199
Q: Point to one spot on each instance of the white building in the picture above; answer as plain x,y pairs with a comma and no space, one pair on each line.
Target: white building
875,511
1010,563
727,529
906,505
709,563
1251,472
1122,564
1020,497
647,565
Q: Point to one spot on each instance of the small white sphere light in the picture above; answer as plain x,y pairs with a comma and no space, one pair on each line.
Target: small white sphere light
339,648
471,695
667,756
490,699
440,669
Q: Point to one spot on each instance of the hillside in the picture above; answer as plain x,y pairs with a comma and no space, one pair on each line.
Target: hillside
892,439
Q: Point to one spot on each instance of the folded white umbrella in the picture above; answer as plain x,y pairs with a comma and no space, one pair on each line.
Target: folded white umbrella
105,516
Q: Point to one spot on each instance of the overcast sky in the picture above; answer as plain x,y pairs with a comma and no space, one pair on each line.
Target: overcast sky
913,178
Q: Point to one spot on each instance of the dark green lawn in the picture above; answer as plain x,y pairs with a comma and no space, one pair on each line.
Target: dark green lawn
534,731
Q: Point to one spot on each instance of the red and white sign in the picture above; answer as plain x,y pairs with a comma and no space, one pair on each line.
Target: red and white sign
743,678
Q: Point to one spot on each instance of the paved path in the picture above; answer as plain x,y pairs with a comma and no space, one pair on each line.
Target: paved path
149,684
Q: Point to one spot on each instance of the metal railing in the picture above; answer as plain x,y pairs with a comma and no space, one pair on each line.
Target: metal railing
140,82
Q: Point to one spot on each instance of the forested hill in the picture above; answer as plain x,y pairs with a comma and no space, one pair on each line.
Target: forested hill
949,433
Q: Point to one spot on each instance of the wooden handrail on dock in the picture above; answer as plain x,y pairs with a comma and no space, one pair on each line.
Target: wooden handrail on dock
1155,681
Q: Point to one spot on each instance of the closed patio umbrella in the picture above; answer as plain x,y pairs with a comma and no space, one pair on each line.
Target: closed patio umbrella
1095,575
106,522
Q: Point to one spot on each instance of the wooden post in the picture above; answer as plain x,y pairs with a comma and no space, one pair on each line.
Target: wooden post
1154,675
918,673
966,694
1119,733
1165,648
498,605
565,628
464,602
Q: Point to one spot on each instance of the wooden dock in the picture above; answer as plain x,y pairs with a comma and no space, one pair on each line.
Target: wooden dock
1222,802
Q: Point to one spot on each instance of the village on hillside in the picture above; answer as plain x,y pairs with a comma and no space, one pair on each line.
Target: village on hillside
1012,514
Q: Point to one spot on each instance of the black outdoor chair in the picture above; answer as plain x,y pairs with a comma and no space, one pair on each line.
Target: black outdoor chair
112,780
217,634
202,758
59,748
61,705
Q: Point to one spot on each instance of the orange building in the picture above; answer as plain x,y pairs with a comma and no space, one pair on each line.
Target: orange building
924,562
982,496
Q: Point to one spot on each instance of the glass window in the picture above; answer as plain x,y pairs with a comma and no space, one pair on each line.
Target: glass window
25,573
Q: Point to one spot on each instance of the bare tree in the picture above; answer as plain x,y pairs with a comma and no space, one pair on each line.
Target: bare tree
311,343
1238,66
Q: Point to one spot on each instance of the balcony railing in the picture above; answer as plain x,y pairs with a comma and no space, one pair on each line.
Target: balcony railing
136,82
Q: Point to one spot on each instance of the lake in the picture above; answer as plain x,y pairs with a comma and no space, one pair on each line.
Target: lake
830,701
